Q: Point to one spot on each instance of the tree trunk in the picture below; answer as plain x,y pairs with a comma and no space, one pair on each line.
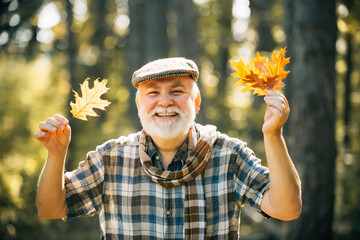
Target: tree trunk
101,31
186,23
157,43
347,94
187,37
71,52
221,66
136,49
262,15
226,37
311,36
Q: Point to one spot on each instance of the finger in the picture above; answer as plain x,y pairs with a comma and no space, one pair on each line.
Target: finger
43,126
39,135
276,98
279,111
279,99
61,119
55,123
278,115
285,101
277,104
275,111
271,94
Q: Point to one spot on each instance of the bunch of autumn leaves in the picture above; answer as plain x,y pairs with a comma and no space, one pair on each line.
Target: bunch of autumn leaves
260,75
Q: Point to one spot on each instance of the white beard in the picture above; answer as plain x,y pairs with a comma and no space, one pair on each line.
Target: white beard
167,129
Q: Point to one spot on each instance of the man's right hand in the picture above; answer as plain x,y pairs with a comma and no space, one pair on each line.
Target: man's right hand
54,134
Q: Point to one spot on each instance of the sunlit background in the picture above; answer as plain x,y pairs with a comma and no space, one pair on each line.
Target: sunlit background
48,47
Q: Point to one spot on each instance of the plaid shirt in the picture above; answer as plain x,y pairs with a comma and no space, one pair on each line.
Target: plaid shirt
112,183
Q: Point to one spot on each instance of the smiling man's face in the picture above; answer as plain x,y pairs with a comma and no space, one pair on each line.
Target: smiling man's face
167,106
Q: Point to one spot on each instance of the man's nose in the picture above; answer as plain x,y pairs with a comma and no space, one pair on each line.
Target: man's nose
165,100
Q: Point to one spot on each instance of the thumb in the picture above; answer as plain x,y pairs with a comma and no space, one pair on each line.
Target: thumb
67,130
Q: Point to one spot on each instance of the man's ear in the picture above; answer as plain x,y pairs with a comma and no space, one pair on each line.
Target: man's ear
137,101
197,103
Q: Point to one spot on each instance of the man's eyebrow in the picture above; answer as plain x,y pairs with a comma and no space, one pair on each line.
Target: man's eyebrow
152,85
177,84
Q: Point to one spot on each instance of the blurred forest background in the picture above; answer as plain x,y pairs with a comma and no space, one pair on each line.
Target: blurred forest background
48,47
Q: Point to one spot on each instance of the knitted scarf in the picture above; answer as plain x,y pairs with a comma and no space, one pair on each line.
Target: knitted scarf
199,153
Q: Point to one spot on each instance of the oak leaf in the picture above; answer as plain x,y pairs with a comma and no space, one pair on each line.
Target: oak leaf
90,99
261,75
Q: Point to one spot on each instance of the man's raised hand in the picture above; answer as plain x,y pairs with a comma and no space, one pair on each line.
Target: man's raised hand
54,134
277,113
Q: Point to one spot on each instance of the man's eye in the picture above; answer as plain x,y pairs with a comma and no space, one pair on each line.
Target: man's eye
177,92
153,93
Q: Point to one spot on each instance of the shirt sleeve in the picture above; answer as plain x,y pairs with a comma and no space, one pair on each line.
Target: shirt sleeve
84,187
251,178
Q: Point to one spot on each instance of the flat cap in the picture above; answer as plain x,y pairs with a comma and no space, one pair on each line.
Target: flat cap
166,67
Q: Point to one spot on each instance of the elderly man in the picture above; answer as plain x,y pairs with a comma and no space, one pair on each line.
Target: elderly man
175,179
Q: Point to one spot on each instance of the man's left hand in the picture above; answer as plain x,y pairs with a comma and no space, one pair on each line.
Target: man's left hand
277,113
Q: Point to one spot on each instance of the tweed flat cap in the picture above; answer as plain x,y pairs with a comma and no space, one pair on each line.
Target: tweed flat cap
166,67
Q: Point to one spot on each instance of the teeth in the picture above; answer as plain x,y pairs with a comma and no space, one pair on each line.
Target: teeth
166,114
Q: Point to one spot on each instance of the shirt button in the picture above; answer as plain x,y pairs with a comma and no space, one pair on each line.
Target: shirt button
168,213
157,158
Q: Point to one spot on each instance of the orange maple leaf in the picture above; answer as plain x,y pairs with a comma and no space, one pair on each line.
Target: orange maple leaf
261,74
90,98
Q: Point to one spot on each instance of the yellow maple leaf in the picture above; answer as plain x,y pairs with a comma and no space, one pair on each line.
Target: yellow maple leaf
90,99
261,74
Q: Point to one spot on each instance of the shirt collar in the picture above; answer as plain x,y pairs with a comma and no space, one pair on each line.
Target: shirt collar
178,160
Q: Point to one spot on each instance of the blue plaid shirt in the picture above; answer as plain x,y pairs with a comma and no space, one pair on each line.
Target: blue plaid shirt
111,182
